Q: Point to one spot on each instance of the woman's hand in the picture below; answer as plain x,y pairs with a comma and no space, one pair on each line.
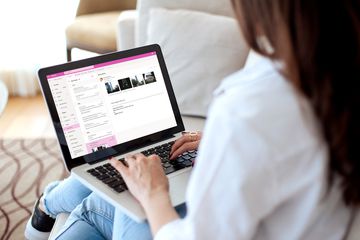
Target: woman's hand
144,177
146,180
189,141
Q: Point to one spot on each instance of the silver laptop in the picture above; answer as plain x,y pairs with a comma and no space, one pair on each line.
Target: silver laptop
112,105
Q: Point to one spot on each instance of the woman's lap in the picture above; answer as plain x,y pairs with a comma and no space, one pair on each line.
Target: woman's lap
92,217
96,217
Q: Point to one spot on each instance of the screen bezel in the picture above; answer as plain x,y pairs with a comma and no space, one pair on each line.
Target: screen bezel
123,147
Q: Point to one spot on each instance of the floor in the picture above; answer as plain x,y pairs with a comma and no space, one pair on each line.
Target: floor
26,118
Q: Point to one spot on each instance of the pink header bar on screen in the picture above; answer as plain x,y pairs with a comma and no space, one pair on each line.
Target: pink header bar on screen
100,65
124,59
78,70
55,75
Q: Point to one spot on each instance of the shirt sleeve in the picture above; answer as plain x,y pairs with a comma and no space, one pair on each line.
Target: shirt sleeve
232,186
169,231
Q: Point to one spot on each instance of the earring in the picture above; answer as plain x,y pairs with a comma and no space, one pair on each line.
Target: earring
264,44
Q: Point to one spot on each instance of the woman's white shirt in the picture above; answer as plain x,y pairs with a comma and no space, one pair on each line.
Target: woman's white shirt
261,169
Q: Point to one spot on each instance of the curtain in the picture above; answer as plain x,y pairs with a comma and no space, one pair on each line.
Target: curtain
32,36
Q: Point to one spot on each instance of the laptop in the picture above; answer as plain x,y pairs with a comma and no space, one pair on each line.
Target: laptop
112,105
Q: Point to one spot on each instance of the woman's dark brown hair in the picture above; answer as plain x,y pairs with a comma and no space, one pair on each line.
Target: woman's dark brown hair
319,43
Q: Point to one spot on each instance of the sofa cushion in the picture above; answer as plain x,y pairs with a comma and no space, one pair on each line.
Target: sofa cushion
200,49
219,7
126,30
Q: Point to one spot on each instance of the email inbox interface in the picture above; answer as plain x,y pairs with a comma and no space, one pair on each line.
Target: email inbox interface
111,103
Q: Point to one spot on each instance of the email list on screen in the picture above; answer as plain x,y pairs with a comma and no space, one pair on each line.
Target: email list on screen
110,103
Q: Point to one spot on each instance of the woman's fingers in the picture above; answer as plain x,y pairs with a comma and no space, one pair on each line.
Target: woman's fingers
119,166
144,176
154,157
188,146
183,139
138,156
187,137
131,160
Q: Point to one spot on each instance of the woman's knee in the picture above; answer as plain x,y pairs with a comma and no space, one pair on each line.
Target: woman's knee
64,196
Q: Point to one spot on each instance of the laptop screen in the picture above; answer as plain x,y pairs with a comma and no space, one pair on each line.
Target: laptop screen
110,103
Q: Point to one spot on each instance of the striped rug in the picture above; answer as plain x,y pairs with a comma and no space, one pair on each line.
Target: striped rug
26,167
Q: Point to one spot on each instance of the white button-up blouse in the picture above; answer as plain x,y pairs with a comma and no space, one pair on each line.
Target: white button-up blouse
261,171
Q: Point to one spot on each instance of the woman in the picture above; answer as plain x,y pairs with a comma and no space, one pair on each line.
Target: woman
278,158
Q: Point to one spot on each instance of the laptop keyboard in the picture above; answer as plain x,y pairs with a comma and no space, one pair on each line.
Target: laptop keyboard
111,177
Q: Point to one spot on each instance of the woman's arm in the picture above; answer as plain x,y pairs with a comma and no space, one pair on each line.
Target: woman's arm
147,182
159,211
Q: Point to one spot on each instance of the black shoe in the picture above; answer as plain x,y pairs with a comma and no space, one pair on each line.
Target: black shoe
39,225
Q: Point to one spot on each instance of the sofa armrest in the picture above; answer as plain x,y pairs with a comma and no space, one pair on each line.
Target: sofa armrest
125,30
193,123
59,223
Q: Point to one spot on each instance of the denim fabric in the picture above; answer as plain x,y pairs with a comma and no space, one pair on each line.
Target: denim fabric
92,217
129,229
64,196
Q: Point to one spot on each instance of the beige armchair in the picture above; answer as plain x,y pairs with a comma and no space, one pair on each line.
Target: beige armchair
94,28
